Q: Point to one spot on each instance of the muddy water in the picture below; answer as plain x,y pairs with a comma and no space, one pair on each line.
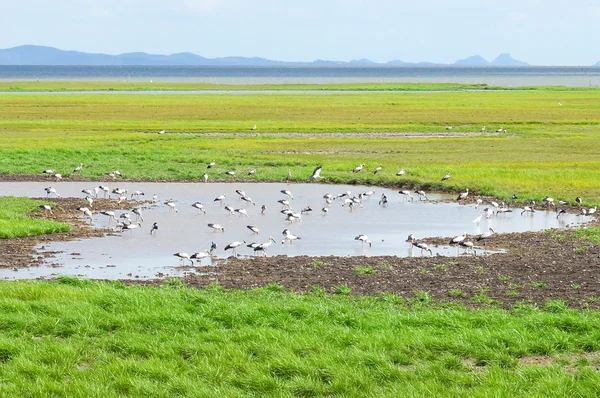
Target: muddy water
137,253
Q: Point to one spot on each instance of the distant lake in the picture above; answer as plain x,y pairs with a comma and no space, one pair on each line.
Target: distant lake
503,76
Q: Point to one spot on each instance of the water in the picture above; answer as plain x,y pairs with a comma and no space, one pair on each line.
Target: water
139,254
505,76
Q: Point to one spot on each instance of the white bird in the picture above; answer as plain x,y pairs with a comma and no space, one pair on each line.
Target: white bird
200,256
406,194
104,189
468,245
182,257
377,169
499,130
483,129
289,176
369,193
154,198
401,173
287,193
254,229
109,213
161,132
49,171
229,209
242,212
46,208
527,209
358,168
549,201
458,239
216,227
211,164
171,204
316,174
252,172
50,191
78,168
284,203
325,210
248,200
364,239
444,178
262,247
591,211
138,214
57,177
421,194
137,194
306,210
125,216
477,219
220,199
205,177
478,202
463,195
485,235
234,245
87,192
89,200
253,127
230,173
448,127
423,246
199,206
130,227
288,236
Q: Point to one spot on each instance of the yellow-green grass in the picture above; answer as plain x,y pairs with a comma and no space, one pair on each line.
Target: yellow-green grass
549,149
14,222
99,339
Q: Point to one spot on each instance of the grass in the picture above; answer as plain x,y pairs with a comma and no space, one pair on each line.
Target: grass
364,270
90,339
14,222
549,150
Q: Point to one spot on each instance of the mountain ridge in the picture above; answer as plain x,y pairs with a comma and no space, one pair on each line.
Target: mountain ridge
44,55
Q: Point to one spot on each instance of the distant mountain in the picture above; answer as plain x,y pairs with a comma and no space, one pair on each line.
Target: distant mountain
506,60
40,55
474,60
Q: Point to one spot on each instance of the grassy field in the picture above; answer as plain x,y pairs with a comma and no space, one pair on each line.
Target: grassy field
97,339
550,149
14,222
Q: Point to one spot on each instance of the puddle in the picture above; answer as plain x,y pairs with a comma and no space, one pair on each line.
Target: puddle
139,254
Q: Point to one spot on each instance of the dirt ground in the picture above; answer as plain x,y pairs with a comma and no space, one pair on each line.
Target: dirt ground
536,267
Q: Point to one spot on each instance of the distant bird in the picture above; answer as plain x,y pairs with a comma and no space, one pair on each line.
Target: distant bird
289,176
468,245
591,211
549,201
499,130
325,211
262,247
254,229
216,227
458,239
401,173
284,203
137,194
288,236
463,195
444,178
50,191
213,247
486,235
263,209
364,239
306,210
287,193
78,168
368,193
57,177
161,132
111,175
234,245
559,104
211,164
46,208
241,212
130,227
110,214
448,127
478,203
578,201
230,173
411,238
377,169
205,177
171,205
252,172
220,199
240,192
421,194
182,257
483,129
138,213
154,198
229,209
199,206
358,168
406,194
560,213
200,256
49,171
104,189
253,127
527,209
154,228
87,192
316,174
423,246
89,200
383,201
477,219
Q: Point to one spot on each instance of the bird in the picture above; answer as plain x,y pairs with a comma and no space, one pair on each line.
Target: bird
406,194
182,257
559,104
48,171
463,195
423,246
306,210
560,213
130,227
316,174
89,200
233,245
499,130
411,238
468,245
137,194
248,200
199,206
111,175
252,172
284,203
483,129
384,200
401,173
200,256
485,235
578,201
110,214
254,229
104,189
287,235
287,193
78,168
368,193
46,208
444,178
161,132
289,176
528,209
216,227
220,198
448,127
325,211
549,201
57,177
154,228
458,239
138,213
229,209
87,192
262,247
358,168
253,127
50,191
171,205
230,173
154,198
211,164
477,219
421,194
205,177
591,211
377,169
241,212
263,209
364,239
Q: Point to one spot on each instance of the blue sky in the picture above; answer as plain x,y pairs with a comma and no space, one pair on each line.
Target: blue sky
540,32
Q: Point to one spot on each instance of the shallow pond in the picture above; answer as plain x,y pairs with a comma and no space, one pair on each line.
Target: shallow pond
140,254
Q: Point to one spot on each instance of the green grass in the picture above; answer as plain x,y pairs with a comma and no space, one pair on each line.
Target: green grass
14,222
97,339
364,270
549,150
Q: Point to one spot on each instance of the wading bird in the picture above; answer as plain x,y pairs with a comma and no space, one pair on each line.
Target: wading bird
104,189
138,214
252,172
287,193
401,173
216,227
242,212
262,247
254,229
130,227
288,236
248,200
50,191
444,178
560,213
463,195
200,256
325,210
211,164
458,239
182,257
363,239
377,169
528,209
358,168
316,174
234,245
406,194
230,173
578,201
288,178
220,199
161,132
137,194
199,206
78,168
46,208
48,171
154,228
423,246
263,209
205,177
254,127
421,194
171,205
110,214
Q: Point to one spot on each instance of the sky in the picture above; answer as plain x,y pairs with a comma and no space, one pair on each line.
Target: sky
540,32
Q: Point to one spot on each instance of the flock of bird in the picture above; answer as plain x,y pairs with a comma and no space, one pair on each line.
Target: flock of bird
130,222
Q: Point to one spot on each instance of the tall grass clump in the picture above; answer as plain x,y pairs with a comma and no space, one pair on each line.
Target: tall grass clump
14,222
